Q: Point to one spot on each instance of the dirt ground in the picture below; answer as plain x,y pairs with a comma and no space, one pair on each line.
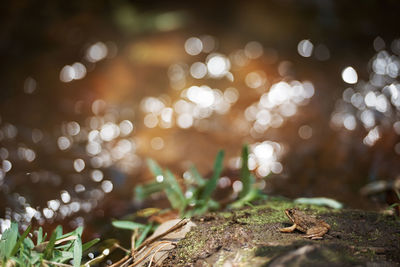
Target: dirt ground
251,237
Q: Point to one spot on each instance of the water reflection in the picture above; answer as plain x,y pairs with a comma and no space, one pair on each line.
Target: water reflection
349,75
30,85
107,142
96,52
205,88
305,48
278,103
373,103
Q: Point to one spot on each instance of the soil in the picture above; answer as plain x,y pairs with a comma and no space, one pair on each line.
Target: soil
251,237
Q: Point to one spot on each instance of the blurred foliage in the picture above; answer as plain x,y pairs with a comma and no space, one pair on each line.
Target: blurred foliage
199,191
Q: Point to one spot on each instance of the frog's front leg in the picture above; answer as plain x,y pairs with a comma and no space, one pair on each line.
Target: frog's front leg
316,232
288,229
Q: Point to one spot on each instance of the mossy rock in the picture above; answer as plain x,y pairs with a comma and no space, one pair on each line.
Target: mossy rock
251,237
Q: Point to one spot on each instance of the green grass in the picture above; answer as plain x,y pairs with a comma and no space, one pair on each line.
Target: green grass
19,249
249,192
201,189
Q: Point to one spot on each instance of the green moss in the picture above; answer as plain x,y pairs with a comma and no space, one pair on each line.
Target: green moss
190,245
273,211
253,234
260,216
225,214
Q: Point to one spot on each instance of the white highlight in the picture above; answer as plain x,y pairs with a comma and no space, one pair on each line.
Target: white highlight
96,52
305,48
218,65
79,165
203,95
349,75
193,46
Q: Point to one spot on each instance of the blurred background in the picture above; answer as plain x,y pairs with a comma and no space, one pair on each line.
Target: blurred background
90,89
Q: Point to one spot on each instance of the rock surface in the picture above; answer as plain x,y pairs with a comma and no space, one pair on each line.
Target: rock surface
251,237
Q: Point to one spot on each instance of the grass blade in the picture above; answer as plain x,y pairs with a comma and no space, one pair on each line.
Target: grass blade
89,244
253,195
143,235
170,185
211,184
39,236
59,231
197,176
77,251
48,251
154,167
174,192
320,201
129,225
20,240
78,231
8,240
144,191
245,176
29,243
15,261
393,206
63,256
75,232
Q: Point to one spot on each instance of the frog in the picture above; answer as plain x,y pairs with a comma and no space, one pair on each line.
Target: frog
313,227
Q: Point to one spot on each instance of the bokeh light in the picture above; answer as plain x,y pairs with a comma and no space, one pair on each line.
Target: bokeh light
374,103
349,75
305,48
96,52
193,46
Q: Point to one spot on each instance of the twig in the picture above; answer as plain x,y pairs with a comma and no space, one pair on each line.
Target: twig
120,261
127,262
141,259
147,253
155,252
173,228
133,239
122,248
146,243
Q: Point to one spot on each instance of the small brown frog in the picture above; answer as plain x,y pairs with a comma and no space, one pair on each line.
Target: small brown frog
314,228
